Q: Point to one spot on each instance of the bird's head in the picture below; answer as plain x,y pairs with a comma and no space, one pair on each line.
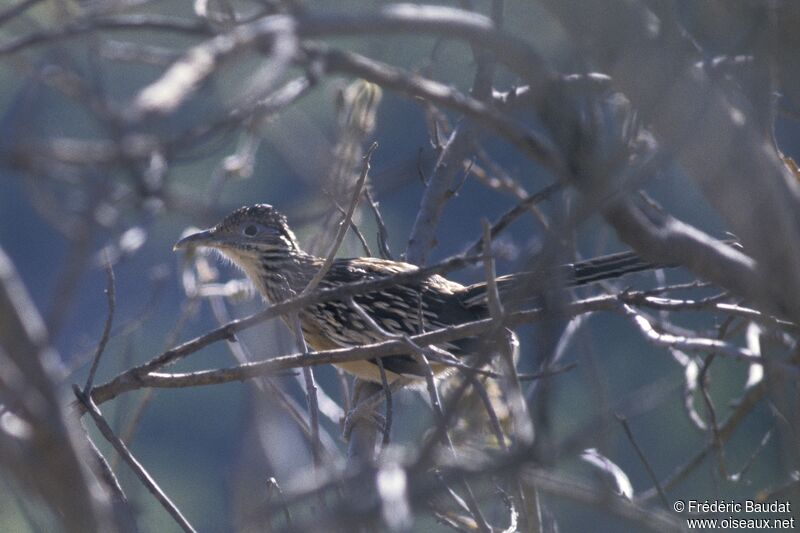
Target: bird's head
248,232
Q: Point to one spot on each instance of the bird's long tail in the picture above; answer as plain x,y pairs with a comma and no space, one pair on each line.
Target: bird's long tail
515,287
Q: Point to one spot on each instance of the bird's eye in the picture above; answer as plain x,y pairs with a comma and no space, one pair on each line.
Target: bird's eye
250,230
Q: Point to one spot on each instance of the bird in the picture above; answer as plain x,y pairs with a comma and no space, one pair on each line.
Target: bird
259,241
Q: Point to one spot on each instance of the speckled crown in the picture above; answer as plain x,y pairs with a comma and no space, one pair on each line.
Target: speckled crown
263,214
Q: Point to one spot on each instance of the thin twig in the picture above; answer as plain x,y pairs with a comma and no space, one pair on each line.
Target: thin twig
344,225
311,393
366,406
523,427
355,228
273,486
106,473
515,212
494,421
387,424
436,404
269,387
138,469
685,343
753,456
383,234
101,346
650,472
744,406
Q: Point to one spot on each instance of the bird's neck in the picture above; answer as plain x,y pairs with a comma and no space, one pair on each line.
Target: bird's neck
279,275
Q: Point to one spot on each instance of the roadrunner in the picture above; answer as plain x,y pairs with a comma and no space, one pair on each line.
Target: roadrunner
259,241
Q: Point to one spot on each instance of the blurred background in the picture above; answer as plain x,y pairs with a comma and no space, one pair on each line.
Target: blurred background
77,190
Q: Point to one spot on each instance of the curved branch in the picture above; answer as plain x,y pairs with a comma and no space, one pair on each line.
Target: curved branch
535,146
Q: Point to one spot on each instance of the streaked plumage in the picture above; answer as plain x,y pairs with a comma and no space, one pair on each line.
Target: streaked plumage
259,241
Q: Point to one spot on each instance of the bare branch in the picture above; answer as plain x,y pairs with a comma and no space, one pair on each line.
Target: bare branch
126,455
101,346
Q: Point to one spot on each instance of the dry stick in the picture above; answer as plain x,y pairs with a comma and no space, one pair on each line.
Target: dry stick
494,422
267,386
686,343
493,176
388,335
274,102
387,423
311,392
512,51
135,414
437,21
534,145
702,381
522,422
101,346
554,371
438,189
453,403
344,390
726,429
366,407
359,425
437,193
383,234
184,76
752,459
530,143
418,349
106,472
137,468
661,238
775,492
344,225
441,420
515,212
422,238
557,486
496,310
757,316
48,463
422,490
523,427
673,304
272,485
355,228
645,462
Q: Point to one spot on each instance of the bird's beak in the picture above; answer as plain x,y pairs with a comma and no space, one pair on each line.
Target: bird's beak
193,240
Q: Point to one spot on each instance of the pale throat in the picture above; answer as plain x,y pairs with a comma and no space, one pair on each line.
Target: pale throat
249,263
274,284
